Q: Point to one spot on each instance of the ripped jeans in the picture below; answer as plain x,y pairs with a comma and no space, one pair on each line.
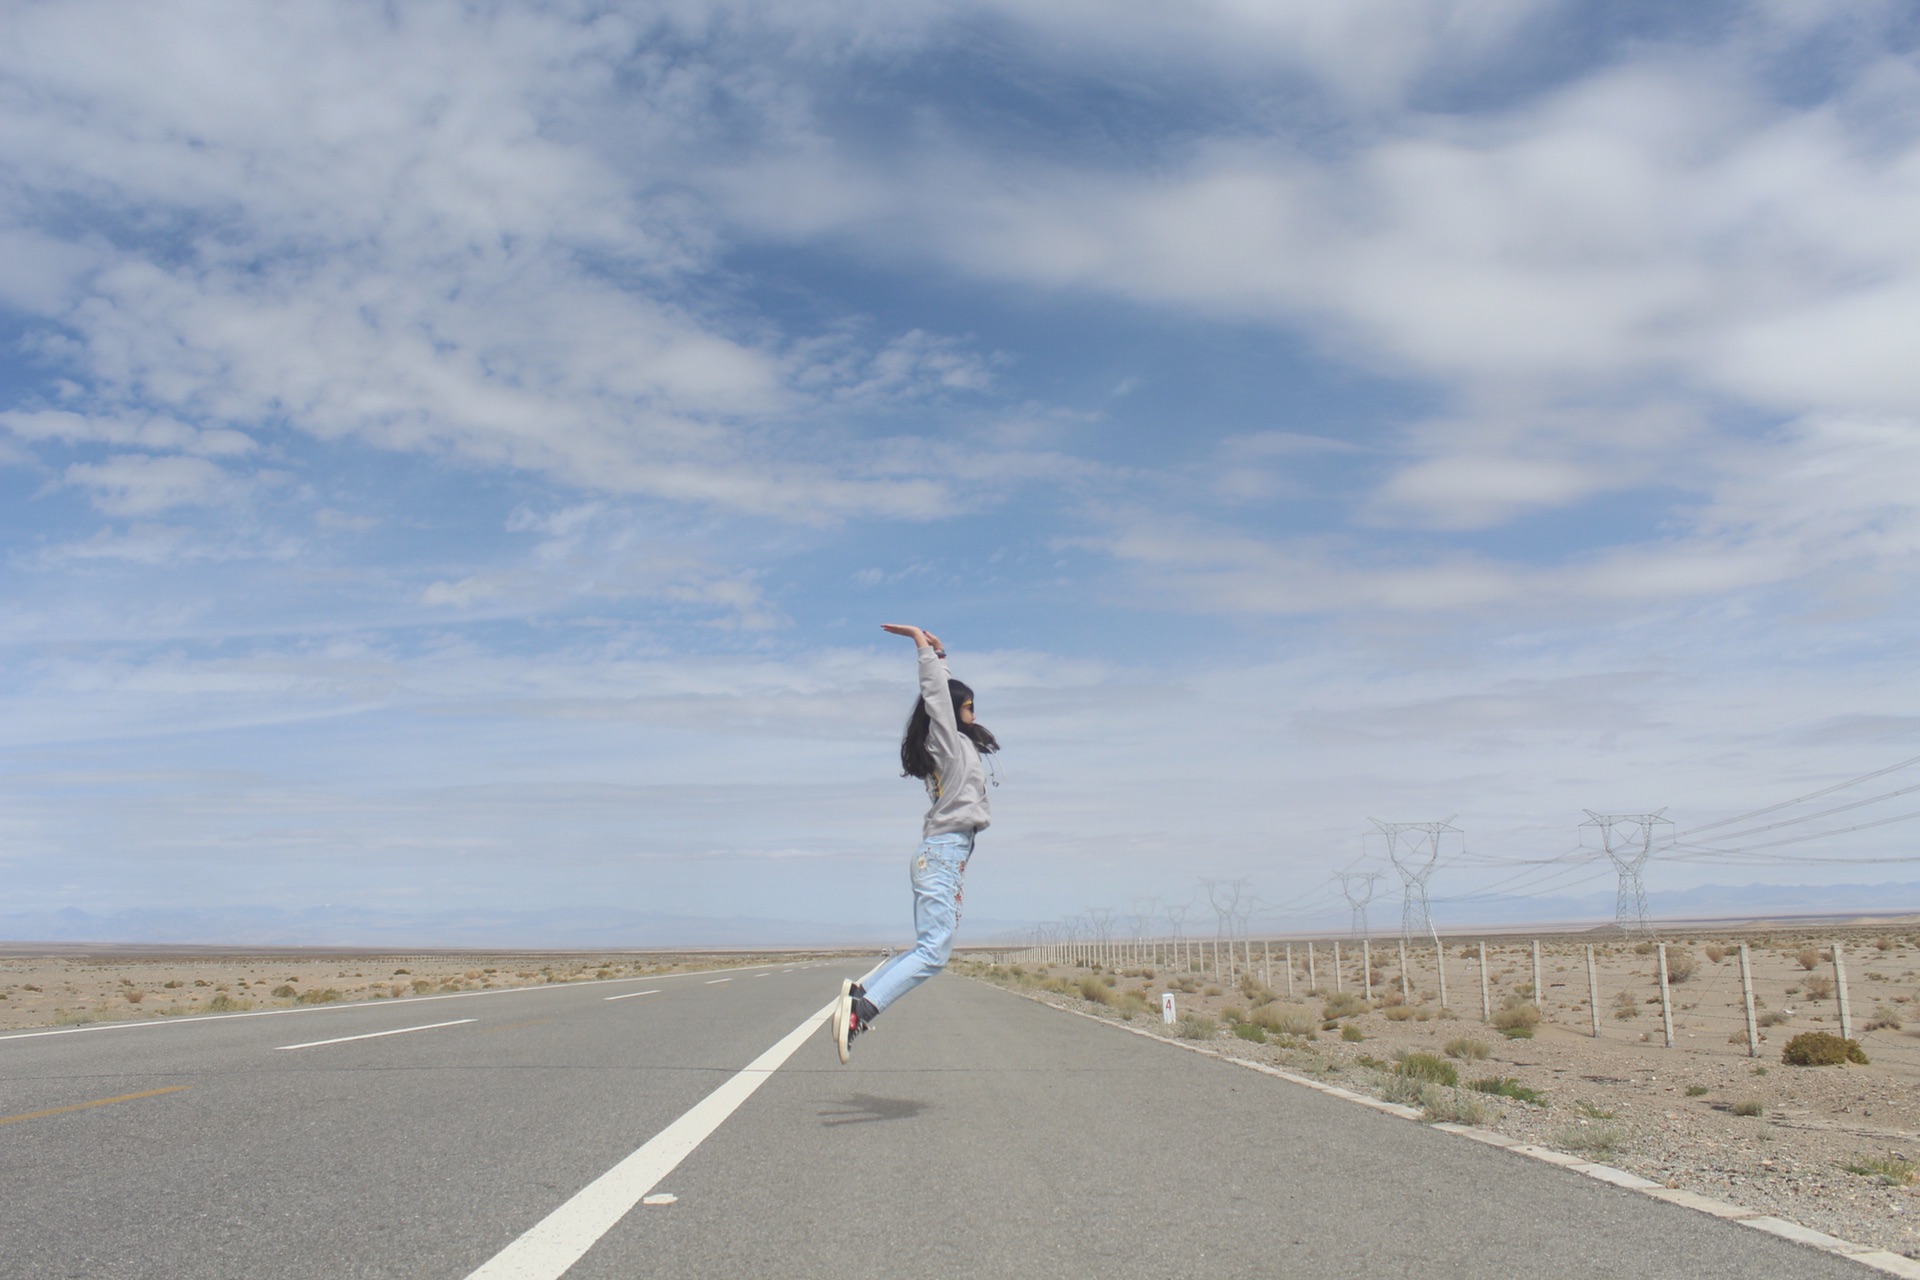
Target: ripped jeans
937,869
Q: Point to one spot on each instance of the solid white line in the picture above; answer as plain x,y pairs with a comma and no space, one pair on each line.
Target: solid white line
631,994
375,1035
357,1004
561,1238
717,981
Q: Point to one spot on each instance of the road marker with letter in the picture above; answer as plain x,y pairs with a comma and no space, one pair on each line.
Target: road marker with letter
1166,1007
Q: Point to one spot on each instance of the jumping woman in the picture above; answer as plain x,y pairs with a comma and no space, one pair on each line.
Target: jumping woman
942,747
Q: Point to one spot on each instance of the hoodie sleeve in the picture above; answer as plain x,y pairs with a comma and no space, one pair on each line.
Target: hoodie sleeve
943,736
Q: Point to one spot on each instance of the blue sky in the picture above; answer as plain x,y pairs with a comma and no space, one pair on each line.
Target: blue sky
458,457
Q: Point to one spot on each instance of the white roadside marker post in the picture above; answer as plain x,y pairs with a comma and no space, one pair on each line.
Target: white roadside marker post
1440,967
1366,966
1339,979
1406,991
1166,1007
1313,983
1289,971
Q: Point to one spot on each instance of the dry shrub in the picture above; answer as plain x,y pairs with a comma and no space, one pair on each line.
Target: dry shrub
1286,1019
1195,1027
1453,1106
1091,988
134,997
1429,1068
1821,1049
1819,987
1715,954
1343,1004
1516,1014
1398,1012
1808,958
1680,964
1466,1048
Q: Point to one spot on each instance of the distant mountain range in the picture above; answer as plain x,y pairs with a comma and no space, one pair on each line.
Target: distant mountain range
611,928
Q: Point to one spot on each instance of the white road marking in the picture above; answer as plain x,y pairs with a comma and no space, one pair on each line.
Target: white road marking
763,975
717,981
375,1035
631,994
563,1237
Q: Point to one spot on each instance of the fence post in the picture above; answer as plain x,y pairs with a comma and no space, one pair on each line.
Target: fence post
1746,991
1313,980
1486,996
1666,998
1406,992
1366,966
1539,989
1266,963
1840,990
1440,967
1593,991
1289,971
1339,979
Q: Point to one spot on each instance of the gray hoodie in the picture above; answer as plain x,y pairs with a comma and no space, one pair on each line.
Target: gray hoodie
958,787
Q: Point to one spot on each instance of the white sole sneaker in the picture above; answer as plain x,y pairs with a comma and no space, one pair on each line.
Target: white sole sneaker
842,1020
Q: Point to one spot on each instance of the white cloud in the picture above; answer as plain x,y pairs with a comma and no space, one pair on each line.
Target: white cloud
154,432
415,229
134,484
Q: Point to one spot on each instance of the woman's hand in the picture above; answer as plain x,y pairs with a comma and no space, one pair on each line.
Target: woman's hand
924,639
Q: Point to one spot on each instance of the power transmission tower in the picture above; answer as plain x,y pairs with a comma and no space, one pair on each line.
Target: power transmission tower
1414,848
1628,840
1357,888
1224,897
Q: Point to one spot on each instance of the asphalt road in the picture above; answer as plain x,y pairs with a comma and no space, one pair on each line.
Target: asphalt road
975,1134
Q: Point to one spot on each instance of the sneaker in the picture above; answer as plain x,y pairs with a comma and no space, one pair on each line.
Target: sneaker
843,1021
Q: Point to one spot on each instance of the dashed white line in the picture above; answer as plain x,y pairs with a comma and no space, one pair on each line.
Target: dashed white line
631,994
560,1239
717,981
375,1035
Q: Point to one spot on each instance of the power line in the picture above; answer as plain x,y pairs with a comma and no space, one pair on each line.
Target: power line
1788,804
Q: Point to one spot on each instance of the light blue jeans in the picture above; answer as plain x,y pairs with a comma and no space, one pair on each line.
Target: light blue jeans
937,869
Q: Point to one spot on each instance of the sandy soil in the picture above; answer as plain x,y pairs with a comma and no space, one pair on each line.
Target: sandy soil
1703,1115
41,990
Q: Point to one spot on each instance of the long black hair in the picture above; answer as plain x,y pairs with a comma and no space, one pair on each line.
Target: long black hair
915,760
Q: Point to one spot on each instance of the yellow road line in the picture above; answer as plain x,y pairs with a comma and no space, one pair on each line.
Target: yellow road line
98,1102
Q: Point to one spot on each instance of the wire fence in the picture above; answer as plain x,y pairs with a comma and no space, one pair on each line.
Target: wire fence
1739,994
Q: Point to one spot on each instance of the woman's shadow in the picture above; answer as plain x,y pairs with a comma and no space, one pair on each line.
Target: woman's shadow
865,1108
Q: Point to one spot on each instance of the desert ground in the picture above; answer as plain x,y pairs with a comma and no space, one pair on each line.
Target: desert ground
1836,1148
39,988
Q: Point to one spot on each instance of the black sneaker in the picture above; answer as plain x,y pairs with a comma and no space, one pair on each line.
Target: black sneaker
852,1015
843,1021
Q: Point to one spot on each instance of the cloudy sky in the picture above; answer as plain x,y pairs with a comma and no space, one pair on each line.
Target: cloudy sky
457,456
